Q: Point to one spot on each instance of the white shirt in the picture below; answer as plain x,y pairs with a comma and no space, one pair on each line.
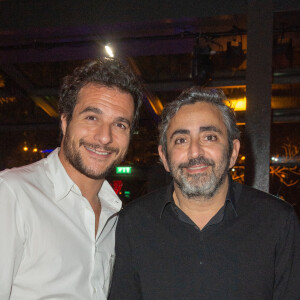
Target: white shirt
48,248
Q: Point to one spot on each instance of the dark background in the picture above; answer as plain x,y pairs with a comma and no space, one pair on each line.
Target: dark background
171,45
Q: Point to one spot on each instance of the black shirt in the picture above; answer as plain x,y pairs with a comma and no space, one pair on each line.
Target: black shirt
214,220
252,250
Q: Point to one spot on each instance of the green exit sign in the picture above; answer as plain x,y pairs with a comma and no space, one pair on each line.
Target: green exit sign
123,170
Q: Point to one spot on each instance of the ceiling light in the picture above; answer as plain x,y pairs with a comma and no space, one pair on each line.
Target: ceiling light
109,51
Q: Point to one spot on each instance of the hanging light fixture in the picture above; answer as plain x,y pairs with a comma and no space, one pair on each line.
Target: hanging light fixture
202,66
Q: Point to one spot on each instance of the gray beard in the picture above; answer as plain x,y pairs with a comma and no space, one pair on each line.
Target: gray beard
202,186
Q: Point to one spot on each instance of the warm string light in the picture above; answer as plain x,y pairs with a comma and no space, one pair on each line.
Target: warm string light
26,148
4,100
288,175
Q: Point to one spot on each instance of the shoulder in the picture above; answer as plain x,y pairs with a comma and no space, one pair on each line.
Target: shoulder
261,204
22,176
150,204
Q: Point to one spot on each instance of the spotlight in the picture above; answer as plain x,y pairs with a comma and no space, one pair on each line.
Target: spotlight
109,50
235,55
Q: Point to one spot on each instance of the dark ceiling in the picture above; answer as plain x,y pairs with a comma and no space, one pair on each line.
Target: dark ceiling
42,41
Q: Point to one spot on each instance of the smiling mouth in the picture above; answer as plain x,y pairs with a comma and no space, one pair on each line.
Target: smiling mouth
97,151
198,167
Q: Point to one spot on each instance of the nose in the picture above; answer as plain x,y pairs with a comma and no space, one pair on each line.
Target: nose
103,134
196,149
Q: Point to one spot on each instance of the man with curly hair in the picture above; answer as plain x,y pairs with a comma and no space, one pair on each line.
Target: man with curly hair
58,215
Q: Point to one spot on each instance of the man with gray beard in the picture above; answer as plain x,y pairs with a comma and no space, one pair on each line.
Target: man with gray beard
205,236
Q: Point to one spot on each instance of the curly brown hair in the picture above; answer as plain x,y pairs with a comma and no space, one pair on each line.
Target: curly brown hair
108,72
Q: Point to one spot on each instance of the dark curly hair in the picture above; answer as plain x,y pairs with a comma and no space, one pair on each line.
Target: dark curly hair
108,72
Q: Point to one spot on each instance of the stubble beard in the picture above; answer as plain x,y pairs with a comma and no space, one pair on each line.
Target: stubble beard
72,154
202,185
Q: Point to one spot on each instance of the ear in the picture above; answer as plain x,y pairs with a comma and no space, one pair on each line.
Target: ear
163,158
235,152
63,119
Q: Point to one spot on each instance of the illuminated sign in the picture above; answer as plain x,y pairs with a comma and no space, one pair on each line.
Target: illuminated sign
123,170
117,186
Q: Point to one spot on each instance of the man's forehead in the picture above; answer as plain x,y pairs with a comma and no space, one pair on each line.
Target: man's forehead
200,111
199,114
103,99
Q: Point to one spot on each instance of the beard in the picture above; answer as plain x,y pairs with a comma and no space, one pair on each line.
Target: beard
72,154
204,185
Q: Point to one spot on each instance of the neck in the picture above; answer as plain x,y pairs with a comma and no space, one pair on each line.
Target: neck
201,209
89,187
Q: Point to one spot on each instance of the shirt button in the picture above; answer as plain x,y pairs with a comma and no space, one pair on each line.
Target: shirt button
201,262
94,290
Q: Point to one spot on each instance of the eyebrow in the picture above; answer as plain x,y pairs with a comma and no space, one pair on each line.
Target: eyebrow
95,110
201,129
124,120
179,131
210,128
98,111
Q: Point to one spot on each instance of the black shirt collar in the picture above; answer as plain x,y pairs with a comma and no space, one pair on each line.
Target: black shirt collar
231,197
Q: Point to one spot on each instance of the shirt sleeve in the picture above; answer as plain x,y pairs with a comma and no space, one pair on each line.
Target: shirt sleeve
125,282
11,245
287,264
